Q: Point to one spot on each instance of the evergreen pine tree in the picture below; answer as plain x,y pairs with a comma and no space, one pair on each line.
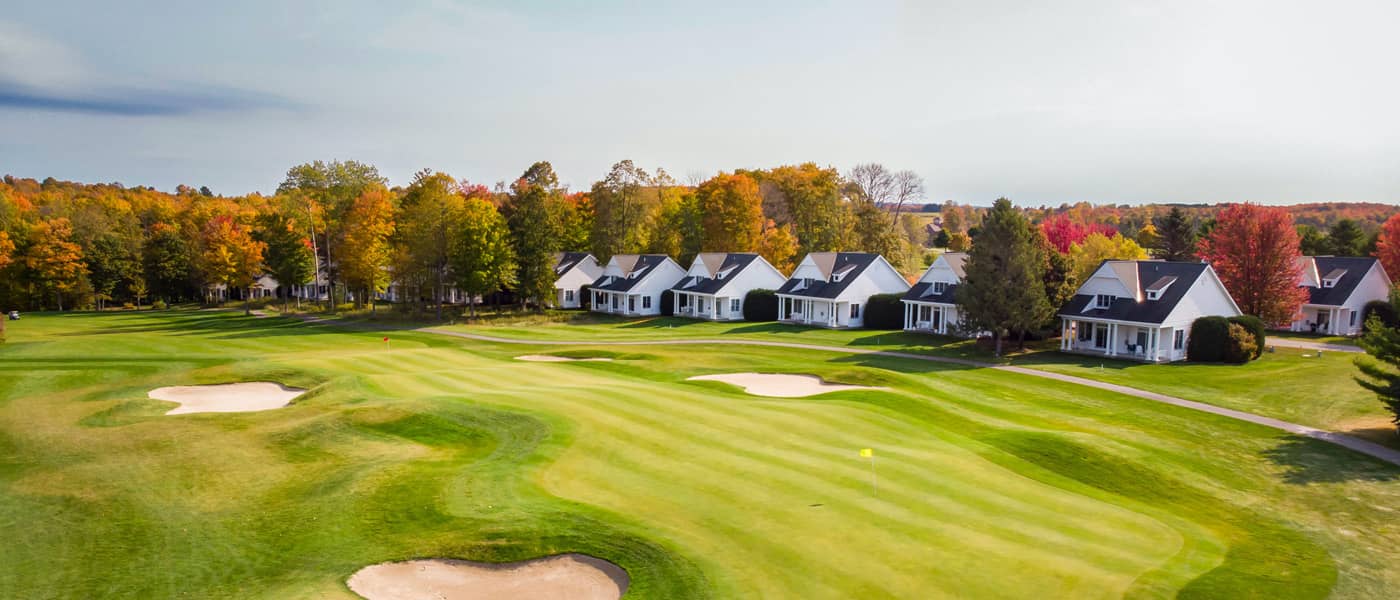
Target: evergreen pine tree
1383,344
1176,236
1004,289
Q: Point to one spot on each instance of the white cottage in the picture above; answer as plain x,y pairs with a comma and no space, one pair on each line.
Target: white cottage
631,284
1142,309
929,307
572,271
715,286
1338,289
830,289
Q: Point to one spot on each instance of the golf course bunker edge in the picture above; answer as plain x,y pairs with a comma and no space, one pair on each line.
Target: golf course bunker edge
558,577
780,385
226,397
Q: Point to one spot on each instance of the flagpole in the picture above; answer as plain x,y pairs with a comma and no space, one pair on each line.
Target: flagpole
874,479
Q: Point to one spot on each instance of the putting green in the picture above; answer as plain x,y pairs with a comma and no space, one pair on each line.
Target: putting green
989,484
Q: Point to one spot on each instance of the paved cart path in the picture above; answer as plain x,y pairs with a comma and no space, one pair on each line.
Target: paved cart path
1308,345
1346,441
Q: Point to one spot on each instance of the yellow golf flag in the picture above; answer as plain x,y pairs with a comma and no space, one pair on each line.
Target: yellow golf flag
867,453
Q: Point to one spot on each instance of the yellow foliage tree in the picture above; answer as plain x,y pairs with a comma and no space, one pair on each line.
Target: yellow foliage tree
54,258
365,254
778,246
731,213
230,256
959,242
1087,255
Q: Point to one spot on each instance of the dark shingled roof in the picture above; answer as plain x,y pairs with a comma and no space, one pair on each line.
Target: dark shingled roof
567,260
917,292
1147,311
851,263
710,285
644,264
1355,267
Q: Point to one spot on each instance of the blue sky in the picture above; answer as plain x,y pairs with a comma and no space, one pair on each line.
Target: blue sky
1114,101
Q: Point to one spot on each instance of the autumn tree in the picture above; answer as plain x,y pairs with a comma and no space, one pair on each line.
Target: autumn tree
166,261
365,253
1254,250
1087,255
326,191
731,213
1176,236
959,241
7,258
480,251
532,213
1004,287
54,259
808,198
288,257
430,213
778,246
229,256
623,203
1388,246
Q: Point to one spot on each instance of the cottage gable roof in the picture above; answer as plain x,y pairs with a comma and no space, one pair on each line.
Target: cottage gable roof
633,270
838,270
1346,271
1172,281
722,267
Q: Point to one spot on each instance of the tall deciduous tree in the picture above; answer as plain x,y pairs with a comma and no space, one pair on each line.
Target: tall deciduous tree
481,254
167,262
1254,250
55,260
1311,242
1004,289
731,211
1388,246
533,221
778,246
7,258
1345,238
229,255
809,198
430,214
328,190
110,261
365,252
288,257
1176,236
623,203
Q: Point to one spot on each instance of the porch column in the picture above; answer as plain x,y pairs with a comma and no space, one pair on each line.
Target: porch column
1113,339
781,314
714,308
906,315
1064,333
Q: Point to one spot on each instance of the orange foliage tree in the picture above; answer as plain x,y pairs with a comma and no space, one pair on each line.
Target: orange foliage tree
230,256
1254,250
1388,246
365,253
55,260
731,213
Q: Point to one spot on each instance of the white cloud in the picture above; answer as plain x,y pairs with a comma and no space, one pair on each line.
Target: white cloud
30,59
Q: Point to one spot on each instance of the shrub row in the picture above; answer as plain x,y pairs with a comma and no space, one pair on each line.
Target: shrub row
1232,340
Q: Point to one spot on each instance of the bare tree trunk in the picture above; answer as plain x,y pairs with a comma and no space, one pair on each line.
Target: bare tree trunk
997,336
247,297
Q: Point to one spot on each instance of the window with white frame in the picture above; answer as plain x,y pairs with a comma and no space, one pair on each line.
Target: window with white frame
1103,300
646,302
940,286
855,311
1179,339
734,305
1353,318
568,295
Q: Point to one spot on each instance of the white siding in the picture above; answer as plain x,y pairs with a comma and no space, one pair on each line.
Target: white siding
585,272
1375,285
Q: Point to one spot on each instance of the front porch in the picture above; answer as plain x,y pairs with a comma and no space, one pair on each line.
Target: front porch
930,317
814,312
705,306
1327,320
617,303
1122,340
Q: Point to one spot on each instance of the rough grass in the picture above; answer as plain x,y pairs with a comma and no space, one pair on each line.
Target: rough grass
990,484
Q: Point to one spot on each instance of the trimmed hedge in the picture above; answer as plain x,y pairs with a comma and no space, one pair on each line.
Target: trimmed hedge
1255,326
668,303
884,311
1382,310
761,306
1209,336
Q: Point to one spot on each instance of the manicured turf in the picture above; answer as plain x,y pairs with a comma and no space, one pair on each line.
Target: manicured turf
1290,384
991,484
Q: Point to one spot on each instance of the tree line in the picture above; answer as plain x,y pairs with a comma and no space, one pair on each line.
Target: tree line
339,226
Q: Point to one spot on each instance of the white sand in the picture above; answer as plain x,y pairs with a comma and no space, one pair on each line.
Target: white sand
549,358
778,385
228,397
563,577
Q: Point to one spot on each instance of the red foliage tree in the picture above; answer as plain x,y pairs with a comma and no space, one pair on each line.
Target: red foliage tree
1388,246
1063,232
1254,250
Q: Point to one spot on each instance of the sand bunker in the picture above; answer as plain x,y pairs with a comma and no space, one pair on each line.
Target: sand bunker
779,385
551,358
228,397
566,576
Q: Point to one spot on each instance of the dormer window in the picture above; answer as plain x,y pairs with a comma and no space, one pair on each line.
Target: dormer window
801,285
1103,300
1154,294
1155,290
940,286
637,273
724,273
1332,277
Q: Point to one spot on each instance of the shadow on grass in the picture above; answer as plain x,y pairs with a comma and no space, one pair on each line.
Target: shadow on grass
1308,461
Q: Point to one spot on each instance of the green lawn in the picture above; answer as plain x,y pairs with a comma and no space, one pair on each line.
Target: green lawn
1290,384
991,484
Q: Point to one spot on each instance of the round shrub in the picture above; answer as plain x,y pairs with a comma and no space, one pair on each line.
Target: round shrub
884,311
1382,310
1209,336
1255,326
761,306
1240,348
668,303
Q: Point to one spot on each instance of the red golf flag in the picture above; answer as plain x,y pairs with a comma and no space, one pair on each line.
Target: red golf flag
386,338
